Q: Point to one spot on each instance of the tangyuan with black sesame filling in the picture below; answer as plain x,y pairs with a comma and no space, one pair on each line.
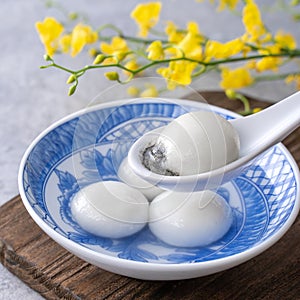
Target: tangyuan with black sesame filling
193,143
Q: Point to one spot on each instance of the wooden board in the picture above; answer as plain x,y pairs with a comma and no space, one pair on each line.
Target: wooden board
56,274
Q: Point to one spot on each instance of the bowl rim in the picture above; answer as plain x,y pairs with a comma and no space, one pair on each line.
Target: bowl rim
107,259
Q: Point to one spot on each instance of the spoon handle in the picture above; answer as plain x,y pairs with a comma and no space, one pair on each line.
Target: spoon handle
270,126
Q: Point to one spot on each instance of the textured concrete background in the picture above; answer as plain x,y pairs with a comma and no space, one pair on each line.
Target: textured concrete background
31,99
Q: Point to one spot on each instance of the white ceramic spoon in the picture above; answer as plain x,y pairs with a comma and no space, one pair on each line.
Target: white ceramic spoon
257,133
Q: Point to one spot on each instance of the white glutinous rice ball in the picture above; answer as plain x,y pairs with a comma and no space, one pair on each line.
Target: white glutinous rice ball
126,174
189,219
110,209
193,143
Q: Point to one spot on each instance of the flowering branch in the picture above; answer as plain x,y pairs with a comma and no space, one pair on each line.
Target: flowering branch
178,55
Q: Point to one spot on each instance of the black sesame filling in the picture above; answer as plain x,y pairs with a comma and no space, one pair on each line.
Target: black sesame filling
154,159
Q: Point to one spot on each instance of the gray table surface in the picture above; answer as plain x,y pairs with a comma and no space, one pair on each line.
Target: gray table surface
31,99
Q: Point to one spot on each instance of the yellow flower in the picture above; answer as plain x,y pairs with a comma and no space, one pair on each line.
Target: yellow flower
269,63
146,15
150,91
294,78
133,91
231,4
285,40
118,48
190,46
93,52
192,27
235,79
256,110
77,39
215,49
131,65
234,46
178,73
81,36
185,44
254,26
155,51
49,31
174,36
65,43
250,65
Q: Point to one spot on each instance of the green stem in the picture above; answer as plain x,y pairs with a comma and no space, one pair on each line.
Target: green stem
157,33
245,102
126,37
110,26
290,54
53,64
141,40
202,70
274,77
183,58
131,39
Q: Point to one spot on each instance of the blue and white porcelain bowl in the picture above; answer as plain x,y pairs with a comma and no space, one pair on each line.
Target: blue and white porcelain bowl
89,146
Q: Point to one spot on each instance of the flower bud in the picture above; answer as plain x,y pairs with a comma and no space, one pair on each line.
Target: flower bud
295,2
231,94
99,59
112,76
73,16
47,57
71,79
72,90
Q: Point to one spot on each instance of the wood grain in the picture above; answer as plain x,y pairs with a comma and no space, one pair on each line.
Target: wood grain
56,274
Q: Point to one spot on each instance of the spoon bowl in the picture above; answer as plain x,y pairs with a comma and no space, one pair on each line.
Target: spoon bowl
257,133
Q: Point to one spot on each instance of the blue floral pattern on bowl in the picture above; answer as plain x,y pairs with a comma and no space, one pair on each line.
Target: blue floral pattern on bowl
90,147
